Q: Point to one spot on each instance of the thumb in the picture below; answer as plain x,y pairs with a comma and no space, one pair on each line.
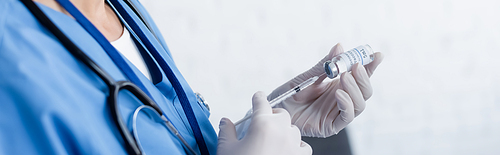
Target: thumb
319,68
316,70
370,68
260,105
227,131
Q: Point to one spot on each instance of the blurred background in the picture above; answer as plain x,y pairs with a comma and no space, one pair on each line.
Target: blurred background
436,92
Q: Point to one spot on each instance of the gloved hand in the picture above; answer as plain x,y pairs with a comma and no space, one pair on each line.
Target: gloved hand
269,133
327,106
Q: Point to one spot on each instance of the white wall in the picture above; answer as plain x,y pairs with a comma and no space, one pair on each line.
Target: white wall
437,91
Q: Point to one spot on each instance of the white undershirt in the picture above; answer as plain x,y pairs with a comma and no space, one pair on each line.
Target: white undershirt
126,46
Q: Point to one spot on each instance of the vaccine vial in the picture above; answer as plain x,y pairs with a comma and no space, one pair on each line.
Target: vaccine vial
343,63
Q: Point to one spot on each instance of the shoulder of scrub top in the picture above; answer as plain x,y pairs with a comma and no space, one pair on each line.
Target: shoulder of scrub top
4,8
8,10
152,24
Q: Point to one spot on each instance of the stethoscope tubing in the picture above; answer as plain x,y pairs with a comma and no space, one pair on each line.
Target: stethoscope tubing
114,87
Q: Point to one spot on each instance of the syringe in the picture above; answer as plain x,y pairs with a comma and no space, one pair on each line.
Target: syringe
285,95
342,63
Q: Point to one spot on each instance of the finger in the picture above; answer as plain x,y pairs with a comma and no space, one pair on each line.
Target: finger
296,130
370,68
260,105
318,69
350,86
363,81
305,148
297,135
336,50
346,111
283,115
227,131
280,111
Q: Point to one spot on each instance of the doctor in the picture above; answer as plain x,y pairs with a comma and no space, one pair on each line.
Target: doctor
54,102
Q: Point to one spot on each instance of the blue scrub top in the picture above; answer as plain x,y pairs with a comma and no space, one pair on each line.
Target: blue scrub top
51,103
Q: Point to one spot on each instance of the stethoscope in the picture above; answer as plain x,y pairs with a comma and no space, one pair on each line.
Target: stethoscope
132,143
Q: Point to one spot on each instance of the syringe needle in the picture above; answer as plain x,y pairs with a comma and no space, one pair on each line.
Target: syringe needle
285,95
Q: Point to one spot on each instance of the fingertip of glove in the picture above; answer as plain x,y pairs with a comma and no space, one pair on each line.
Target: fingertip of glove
379,55
339,91
378,59
337,49
258,94
373,65
339,46
259,97
223,121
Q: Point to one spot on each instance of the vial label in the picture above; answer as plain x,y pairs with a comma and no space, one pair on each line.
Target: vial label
360,54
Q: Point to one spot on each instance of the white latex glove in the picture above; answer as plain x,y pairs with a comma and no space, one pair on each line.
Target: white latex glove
270,133
326,107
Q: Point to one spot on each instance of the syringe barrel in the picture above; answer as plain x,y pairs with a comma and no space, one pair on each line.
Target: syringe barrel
343,63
